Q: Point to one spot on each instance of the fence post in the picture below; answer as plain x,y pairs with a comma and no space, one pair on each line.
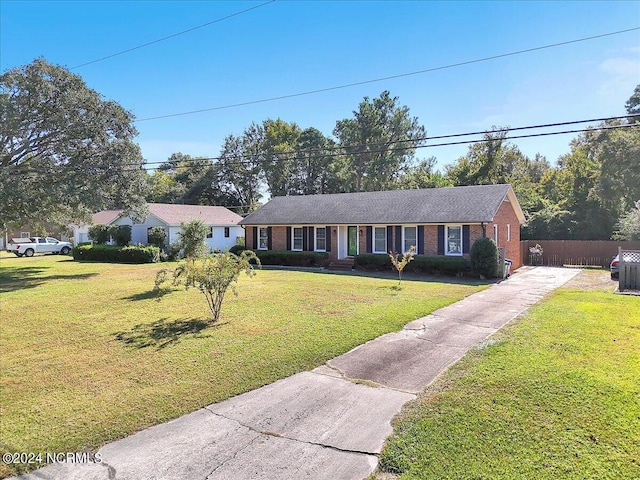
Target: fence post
622,281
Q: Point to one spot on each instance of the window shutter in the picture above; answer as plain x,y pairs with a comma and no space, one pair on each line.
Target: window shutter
328,239
440,239
304,239
269,242
466,239
389,239
312,239
398,239
420,239
369,235
288,238
255,238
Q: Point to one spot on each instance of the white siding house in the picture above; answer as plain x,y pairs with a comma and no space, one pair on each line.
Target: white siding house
224,231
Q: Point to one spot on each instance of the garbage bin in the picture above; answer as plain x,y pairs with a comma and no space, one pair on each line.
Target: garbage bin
507,267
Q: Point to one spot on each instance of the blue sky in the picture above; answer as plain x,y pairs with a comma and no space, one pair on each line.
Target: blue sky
288,47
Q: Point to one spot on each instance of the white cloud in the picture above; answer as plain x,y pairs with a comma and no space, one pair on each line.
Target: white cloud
621,75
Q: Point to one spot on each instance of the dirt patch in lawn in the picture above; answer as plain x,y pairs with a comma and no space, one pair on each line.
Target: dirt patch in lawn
593,279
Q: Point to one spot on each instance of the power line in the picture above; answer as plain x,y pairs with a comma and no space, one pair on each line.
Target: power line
427,138
172,36
251,159
391,77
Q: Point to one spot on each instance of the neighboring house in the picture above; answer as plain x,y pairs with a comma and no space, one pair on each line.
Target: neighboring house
224,231
437,221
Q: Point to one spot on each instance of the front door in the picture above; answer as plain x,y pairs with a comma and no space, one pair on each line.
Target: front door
352,241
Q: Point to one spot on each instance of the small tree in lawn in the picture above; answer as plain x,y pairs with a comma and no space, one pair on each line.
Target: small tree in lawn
192,238
212,275
399,262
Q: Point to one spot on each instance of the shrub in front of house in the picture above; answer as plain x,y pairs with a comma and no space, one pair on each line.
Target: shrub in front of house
120,234
484,257
99,233
420,264
115,254
157,236
293,259
237,249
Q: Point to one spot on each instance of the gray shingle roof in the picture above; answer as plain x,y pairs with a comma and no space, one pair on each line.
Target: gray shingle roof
470,204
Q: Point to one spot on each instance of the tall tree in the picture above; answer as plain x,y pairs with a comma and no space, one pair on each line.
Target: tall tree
422,175
64,151
279,147
633,105
378,142
314,169
239,168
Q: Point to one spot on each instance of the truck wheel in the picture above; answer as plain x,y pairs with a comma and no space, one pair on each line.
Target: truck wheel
65,251
28,252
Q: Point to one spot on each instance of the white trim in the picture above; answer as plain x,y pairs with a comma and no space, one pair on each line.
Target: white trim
266,230
508,232
315,238
448,252
373,239
293,239
415,227
495,233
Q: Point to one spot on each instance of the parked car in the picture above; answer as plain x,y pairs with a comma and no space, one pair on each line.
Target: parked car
28,246
615,267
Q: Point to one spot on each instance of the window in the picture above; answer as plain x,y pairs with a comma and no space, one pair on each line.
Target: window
226,232
42,240
263,238
454,241
379,239
25,234
495,234
508,232
210,232
297,239
410,238
321,239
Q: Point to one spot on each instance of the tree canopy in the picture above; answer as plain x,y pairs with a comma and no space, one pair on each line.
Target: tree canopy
65,152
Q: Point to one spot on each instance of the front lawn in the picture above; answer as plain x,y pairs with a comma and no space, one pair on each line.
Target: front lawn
88,355
555,395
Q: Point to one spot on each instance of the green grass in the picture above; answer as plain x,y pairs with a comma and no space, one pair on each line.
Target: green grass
556,395
88,354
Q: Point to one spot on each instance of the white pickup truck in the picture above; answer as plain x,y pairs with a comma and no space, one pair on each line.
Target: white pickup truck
29,246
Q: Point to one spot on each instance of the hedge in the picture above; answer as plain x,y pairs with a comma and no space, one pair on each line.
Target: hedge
115,254
294,259
419,264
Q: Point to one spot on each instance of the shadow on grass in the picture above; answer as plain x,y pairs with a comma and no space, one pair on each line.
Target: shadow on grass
30,277
142,296
164,332
412,277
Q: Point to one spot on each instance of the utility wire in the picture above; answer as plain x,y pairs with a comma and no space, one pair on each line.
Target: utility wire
251,160
420,139
172,36
391,77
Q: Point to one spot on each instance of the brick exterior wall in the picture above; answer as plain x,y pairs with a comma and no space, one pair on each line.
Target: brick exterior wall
505,216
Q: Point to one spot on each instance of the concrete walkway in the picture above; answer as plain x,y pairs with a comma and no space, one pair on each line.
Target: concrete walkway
329,423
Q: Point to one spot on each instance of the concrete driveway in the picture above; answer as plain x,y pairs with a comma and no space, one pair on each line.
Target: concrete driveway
329,423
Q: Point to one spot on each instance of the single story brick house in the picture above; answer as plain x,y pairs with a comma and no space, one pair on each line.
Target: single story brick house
224,231
437,221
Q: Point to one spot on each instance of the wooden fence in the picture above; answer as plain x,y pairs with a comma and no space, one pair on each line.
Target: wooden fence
597,253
